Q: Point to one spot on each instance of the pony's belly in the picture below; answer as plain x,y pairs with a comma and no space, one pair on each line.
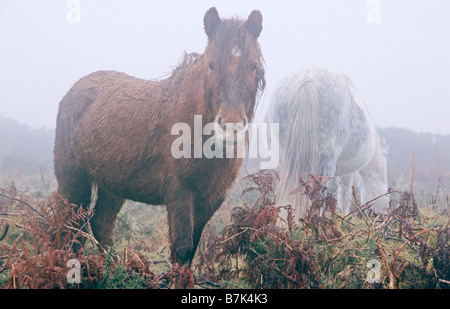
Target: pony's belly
139,190
348,167
139,182
353,159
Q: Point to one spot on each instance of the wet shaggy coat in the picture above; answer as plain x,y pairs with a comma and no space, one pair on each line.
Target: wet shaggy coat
114,131
326,129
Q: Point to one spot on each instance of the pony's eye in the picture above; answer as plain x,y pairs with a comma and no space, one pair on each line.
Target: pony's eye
211,66
253,68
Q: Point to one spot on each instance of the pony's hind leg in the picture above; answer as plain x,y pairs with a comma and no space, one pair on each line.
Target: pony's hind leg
77,191
373,187
106,209
75,187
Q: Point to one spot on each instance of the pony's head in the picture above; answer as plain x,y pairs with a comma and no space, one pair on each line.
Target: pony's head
235,69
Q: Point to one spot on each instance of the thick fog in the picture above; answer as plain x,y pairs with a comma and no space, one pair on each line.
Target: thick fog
396,52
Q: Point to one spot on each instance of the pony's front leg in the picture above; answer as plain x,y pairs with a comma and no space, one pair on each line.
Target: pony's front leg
326,167
180,214
345,194
327,162
203,211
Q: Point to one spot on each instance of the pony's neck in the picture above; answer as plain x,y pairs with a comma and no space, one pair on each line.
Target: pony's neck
185,87
187,72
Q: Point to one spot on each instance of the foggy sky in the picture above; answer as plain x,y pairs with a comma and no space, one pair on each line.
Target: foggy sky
401,65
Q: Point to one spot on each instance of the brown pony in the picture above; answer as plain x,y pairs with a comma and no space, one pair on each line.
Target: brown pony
114,131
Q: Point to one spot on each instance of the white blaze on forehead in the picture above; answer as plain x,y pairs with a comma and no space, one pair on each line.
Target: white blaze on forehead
236,51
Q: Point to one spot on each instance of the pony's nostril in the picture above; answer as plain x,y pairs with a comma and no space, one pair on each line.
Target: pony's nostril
219,120
245,121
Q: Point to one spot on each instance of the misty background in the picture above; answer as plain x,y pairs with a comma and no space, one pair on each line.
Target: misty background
399,63
396,52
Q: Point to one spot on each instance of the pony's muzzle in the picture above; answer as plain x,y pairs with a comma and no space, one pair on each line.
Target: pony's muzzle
230,132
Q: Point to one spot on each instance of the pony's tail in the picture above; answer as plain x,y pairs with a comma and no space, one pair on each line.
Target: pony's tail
300,154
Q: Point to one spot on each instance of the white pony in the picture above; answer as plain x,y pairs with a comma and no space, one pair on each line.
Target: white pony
325,128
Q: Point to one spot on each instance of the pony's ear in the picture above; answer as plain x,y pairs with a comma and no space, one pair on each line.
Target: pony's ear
211,22
254,23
